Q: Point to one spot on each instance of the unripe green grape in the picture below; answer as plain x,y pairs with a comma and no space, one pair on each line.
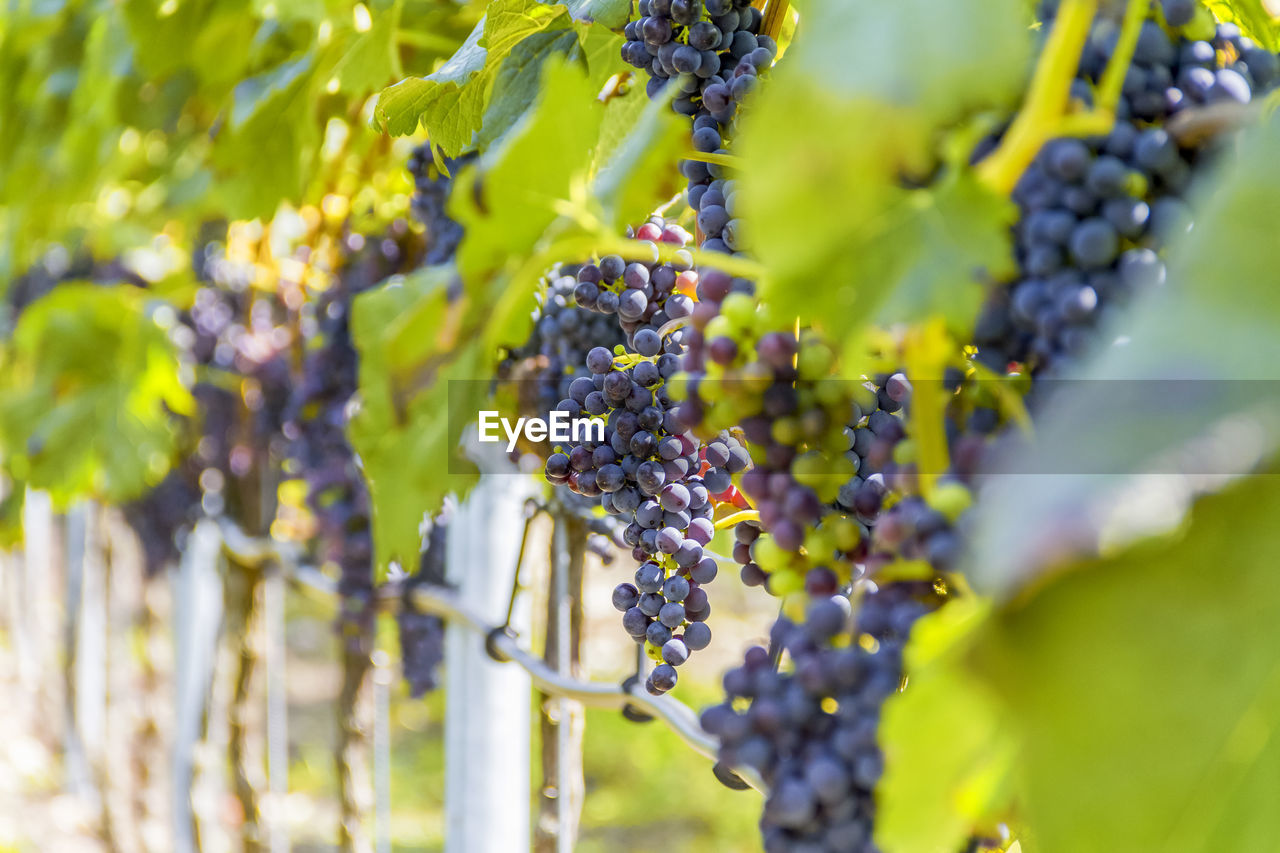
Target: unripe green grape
905,452
950,499
785,431
785,582
844,532
815,362
738,309
719,327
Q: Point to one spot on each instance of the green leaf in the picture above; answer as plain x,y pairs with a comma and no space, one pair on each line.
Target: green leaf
946,756
971,55
1253,18
947,241
641,141
451,102
524,182
1190,399
610,13
402,430
1144,689
372,58
264,154
858,102
602,49
515,90
264,92
90,384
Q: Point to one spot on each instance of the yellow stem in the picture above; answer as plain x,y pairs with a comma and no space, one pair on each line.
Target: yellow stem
730,520
775,13
1047,99
719,159
1118,65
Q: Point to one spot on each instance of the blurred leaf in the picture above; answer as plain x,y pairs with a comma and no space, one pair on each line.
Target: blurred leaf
1191,398
603,51
1144,689
972,55
641,141
264,154
401,430
507,203
90,383
372,58
946,756
855,105
1253,19
264,92
947,241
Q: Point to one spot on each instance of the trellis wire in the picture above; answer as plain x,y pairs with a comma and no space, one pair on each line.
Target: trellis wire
443,602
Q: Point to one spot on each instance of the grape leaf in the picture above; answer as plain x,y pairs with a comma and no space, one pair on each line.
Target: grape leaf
517,191
611,13
973,54
88,389
641,140
515,89
429,345
856,104
371,58
451,102
1190,400
262,156
1143,688
400,429
1253,17
946,773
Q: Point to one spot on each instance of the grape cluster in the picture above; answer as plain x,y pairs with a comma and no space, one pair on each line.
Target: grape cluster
422,634
1095,212
563,333
810,732
710,50
432,187
647,470
645,294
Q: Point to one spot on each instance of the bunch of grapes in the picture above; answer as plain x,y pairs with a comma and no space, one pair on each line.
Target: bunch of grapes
432,187
700,48
564,332
646,470
422,634
810,731
1095,212
316,429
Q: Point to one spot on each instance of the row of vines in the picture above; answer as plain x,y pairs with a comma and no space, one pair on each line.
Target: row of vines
948,326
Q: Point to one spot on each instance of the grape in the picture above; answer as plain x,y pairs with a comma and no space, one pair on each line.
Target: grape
625,597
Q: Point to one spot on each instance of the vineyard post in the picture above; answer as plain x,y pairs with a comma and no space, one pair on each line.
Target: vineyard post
487,703
561,720
276,651
197,615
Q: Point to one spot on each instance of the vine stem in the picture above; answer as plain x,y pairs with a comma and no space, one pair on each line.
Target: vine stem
775,13
732,519
729,160
1047,99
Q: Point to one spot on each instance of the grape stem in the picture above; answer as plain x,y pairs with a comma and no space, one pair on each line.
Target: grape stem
1047,100
733,518
673,324
719,159
775,12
